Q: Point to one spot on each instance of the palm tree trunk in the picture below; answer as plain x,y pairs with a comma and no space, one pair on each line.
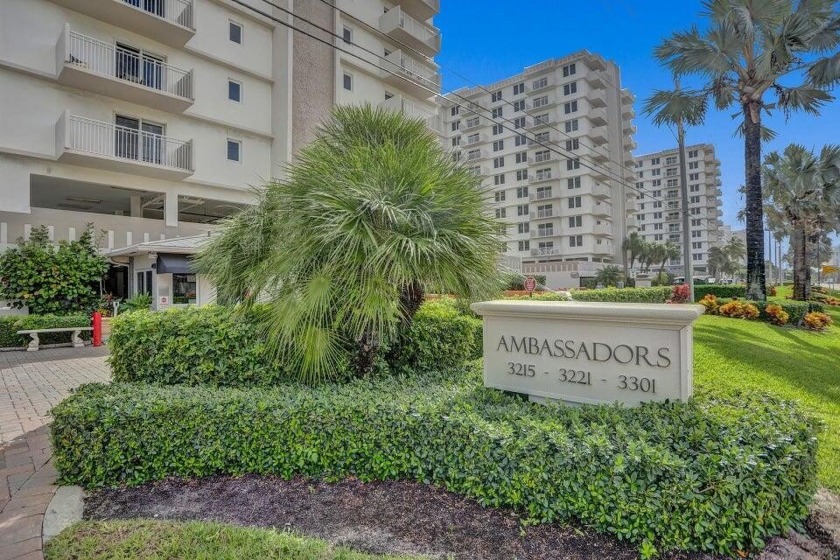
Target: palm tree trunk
411,298
756,280
365,358
799,241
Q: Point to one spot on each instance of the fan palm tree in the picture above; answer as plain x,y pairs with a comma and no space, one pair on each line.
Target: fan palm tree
744,54
373,215
805,191
609,275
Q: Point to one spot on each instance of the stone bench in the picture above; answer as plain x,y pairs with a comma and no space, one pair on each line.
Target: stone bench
35,342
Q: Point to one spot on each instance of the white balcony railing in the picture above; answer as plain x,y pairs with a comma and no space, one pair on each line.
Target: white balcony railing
176,11
546,251
404,27
124,64
413,69
412,110
114,141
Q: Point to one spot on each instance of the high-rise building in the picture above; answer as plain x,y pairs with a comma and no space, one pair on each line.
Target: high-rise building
151,119
660,202
553,145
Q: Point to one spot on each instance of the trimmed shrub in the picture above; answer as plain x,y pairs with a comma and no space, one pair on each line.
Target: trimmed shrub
223,346
541,296
720,291
817,321
625,295
711,303
739,309
10,325
679,294
718,473
796,310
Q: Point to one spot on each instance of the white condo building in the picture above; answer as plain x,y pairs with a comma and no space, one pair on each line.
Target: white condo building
151,119
660,206
555,157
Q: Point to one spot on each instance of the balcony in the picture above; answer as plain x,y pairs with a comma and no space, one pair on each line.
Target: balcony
627,97
602,209
538,86
541,195
594,79
597,98
597,116
540,177
410,109
410,75
601,191
594,62
397,24
602,230
539,123
167,21
628,128
93,65
627,112
421,9
544,157
547,139
599,156
600,174
105,145
603,249
599,135
543,214
549,101
475,155
546,252
477,139
547,232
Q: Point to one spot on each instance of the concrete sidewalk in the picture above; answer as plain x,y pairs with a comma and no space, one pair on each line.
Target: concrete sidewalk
32,383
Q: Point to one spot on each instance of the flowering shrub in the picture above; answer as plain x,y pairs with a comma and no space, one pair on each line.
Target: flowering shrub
739,310
710,302
771,291
679,294
776,314
817,321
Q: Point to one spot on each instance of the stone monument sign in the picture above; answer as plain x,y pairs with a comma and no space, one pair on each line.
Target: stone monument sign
589,352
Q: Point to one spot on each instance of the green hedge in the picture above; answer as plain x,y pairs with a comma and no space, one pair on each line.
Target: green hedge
220,346
625,295
719,473
10,325
720,291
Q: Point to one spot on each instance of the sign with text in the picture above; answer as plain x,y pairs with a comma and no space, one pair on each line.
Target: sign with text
589,352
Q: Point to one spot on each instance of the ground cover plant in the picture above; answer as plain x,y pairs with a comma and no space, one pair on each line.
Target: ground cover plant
158,540
666,476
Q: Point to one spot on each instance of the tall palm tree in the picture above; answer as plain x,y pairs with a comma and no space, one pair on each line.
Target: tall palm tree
734,249
633,245
805,190
744,54
668,252
719,261
373,215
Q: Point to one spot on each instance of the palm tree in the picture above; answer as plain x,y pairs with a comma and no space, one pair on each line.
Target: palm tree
633,245
609,275
667,252
744,54
735,249
805,190
373,215
719,261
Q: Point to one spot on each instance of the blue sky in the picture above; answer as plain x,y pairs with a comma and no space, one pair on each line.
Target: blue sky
487,40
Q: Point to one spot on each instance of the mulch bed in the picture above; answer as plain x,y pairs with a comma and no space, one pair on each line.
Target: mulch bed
376,517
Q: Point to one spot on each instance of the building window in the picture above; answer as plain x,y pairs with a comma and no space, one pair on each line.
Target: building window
498,162
570,107
572,144
522,175
235,32
498,145
499,179
520,140
541,119
519,122
519,105
144,283
524,245
473,121
693,165
575,221
234,91
573,183
572,164
518,89
569,70
523,227
575,202
473,155
501,212
456,126
496,96
542,155
575,241
693,153
499,196
184,289
234,150
570,88
540,101
497,112
347,34
456,141
348,82
522,210
521,192
497,129
545,230
654,161
571,125
541,83
522,157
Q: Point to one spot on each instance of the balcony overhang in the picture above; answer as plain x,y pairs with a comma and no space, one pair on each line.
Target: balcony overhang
399,25
171,23
421,9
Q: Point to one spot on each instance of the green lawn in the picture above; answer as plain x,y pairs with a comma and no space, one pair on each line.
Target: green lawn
792,363
159,540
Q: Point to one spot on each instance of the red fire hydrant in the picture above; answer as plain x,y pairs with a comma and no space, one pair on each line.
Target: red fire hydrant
97,328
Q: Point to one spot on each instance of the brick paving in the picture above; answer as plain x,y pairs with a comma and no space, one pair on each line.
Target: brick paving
32,383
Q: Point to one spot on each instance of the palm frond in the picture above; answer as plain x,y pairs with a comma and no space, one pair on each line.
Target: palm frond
689,52
825,72
801,98
669,107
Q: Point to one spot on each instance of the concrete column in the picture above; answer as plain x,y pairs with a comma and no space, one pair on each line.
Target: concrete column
170,208
136,207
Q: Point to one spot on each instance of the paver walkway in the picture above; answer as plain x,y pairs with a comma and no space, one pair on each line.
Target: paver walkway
32,383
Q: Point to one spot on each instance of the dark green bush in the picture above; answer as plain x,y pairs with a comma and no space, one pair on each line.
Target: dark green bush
10,325
625,295
720,291
515,281
221,346
719,473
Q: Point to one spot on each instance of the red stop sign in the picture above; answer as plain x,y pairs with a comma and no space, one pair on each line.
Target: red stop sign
530,284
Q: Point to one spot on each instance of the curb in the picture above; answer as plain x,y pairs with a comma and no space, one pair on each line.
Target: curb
65,509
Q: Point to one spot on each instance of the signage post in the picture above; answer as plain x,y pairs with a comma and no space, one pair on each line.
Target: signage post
530,285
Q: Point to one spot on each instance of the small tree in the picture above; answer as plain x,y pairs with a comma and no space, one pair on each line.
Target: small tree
52,278
609,275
